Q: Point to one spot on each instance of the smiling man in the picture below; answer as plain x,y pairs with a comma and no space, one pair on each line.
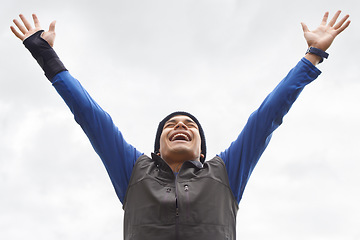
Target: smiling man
175,193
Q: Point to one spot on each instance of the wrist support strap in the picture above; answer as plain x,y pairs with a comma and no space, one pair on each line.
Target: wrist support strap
44,55
318,52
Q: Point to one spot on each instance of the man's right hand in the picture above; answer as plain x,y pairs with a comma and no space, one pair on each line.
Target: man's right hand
27,30
40,44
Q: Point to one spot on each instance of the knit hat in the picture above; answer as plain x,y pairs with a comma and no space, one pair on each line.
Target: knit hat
161,126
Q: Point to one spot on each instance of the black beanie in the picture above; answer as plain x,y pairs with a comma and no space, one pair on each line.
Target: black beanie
161,126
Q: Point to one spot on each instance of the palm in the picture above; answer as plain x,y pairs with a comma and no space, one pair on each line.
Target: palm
49,36
322,37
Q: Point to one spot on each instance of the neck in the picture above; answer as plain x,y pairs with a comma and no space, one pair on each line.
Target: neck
176,163
175,167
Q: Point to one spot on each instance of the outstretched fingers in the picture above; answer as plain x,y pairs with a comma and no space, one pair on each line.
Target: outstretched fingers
343,27
24,27
52,26
325,18
17,34
341,22
20,26
26,22
340,26
305,27
36,21
335,17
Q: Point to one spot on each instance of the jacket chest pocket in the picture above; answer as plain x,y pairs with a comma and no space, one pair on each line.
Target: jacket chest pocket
203,202
151,203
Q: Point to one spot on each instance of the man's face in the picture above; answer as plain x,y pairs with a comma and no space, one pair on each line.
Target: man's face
180,140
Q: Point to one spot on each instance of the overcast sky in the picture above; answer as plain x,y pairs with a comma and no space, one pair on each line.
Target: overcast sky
142,59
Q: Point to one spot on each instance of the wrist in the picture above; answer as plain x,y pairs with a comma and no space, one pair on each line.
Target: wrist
44,55
314,59
316,54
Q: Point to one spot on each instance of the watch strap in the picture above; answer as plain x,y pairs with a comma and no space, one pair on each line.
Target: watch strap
318,52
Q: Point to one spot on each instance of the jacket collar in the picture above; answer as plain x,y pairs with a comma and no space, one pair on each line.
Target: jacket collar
160,162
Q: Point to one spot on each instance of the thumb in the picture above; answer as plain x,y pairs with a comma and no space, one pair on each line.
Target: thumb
52,26
304,27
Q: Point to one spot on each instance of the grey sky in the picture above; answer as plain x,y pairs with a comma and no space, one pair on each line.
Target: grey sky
143,59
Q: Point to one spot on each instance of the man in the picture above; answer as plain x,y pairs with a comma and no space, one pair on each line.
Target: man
175,193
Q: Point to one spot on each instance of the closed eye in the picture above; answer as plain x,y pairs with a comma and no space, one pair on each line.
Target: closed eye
169,125
188,122
193,125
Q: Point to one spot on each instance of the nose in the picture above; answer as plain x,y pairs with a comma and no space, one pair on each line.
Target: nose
180,125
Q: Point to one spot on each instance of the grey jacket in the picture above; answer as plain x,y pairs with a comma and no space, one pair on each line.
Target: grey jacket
197,203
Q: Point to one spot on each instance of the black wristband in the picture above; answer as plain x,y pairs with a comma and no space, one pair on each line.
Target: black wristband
318,52
44,55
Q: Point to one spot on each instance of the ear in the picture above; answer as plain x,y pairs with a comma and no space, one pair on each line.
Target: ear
158,154
202,156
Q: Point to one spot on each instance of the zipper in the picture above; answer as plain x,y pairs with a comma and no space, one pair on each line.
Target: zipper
177,210
187,207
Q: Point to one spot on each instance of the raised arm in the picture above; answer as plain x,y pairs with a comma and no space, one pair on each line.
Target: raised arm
243,154
117,155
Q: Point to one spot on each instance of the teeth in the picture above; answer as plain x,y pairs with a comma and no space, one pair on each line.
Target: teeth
180,134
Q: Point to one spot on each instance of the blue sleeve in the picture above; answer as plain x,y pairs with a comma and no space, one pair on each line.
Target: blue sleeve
117,155
243,154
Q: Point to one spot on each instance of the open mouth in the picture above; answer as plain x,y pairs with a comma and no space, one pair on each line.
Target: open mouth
180,136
